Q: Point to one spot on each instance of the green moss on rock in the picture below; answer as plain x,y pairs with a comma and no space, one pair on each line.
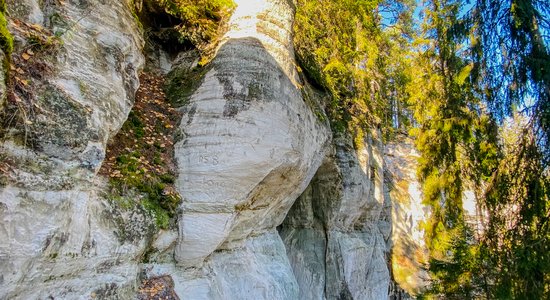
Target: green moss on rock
6,39
189,22
182,83
140,162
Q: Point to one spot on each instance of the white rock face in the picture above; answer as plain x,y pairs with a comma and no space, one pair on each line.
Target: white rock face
409,251
59,238
90,91
257,269
62,244
336,234
251,144
250,147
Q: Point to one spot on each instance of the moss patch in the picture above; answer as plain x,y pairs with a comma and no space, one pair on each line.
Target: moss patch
6,39
182,83
185,24
141,157
26,96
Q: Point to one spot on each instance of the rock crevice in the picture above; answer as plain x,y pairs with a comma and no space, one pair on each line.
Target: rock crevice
335,233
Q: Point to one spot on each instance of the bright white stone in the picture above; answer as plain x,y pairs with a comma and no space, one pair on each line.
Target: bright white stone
251,144
59,238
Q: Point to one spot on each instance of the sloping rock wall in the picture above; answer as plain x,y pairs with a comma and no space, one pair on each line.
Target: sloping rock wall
250,145
409,253
336,233
59,237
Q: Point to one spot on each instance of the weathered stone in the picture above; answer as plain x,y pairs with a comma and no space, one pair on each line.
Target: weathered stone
339,215
250,143
253,270
409,251
89,89
61,244
250,146
60,239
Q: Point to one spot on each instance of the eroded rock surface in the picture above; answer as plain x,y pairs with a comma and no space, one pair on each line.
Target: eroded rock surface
336,233
257,269
88,92
60,239
250,146
409,251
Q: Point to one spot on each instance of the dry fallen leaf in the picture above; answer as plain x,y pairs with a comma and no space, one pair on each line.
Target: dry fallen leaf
23,81
37,27
25,56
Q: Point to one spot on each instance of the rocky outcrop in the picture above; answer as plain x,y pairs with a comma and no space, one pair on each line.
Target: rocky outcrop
250,145
337,231
60,239
272,208
409,253
91,77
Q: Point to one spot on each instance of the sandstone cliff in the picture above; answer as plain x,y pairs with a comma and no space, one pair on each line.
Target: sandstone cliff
274,205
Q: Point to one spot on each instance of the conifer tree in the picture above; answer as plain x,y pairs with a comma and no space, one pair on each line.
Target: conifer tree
499,73
512,73
446,110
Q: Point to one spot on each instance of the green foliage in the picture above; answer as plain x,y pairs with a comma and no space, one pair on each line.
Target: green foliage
187,22
444,112
456,88
6,39
517,238
469,71
455,275
512,60
342,47
457,145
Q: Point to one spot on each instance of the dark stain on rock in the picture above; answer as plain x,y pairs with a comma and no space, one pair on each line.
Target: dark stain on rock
345,294
191,114
64,121
232,108
185,79
247,73
108,291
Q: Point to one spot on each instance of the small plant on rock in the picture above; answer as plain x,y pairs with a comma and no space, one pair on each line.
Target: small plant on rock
141,157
